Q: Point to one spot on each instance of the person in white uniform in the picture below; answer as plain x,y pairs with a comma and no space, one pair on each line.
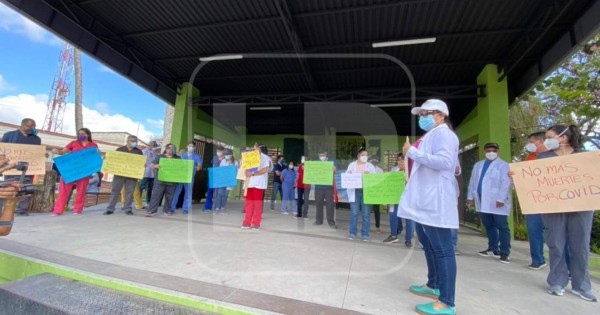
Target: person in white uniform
429,199
489,190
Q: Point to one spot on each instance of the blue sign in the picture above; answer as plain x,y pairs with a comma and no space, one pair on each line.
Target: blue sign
223,176
77,165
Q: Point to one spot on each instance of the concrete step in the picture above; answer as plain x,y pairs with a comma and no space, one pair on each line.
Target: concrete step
48,294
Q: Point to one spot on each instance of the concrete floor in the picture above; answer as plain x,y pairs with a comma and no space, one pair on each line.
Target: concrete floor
294,259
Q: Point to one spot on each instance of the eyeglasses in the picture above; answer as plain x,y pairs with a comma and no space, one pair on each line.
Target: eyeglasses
428,112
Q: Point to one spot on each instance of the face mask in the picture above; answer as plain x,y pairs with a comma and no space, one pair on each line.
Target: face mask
322,158
219,153
227,157
363,158
551,144
33,131
133,144
282,161
491,155
530,147
426,122
174,151
302,160
191,149
82,137
291,167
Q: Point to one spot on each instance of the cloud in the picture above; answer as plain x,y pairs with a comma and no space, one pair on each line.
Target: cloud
105,69
157,123
102,107
4,86
17,107
13,22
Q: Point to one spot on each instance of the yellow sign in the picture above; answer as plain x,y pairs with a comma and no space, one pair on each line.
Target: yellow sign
560,184
124,164
35,155
250,160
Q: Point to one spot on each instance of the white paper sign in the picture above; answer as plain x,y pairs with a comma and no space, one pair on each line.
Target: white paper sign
353,180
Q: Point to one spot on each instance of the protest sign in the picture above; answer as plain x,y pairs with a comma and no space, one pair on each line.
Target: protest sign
241,174
383,188
559,184
250,160
77,165
124,164
175,170
318,173
223,176
34,155
353,180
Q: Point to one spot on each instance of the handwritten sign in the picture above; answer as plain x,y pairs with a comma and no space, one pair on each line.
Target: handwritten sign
560,184
383,188
318,173
175,170
251,160
124,164
77,165
223,176
353,180
32,154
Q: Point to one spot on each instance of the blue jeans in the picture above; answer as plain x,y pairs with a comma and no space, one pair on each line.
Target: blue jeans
187,198
288,195
222,194
355,207
535,232
497,229
396,225
276,188
209,199
441,262
455,237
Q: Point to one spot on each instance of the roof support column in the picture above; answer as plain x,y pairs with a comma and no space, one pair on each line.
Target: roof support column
182,130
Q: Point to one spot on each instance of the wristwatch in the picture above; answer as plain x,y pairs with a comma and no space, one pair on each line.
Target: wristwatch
253,173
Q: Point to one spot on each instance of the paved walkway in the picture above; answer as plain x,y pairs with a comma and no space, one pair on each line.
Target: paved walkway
289,266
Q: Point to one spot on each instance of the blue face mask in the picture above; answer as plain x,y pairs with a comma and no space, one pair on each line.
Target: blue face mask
33,132
426,122
133,144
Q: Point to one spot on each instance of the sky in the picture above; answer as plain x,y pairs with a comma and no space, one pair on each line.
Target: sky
28,61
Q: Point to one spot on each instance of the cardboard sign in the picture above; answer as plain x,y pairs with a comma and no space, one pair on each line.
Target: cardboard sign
353,180
223,176
250,160
383,188
175,170
124,164
559,184
77,165
241,174
318,173
35,155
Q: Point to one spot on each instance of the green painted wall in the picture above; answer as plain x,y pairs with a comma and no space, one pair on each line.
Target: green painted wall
15,268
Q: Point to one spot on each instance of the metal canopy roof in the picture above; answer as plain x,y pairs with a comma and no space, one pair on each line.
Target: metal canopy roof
157,44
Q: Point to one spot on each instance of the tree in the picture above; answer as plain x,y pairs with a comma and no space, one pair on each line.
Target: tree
571,94
525,117
78,83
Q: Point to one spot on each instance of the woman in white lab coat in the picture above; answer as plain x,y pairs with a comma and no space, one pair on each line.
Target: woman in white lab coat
430,200
356,197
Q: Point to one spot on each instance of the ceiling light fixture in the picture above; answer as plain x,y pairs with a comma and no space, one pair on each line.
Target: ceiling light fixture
266,108
392,105
405,42
221,57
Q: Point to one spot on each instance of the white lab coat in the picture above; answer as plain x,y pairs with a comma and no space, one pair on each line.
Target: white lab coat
496,187
352,168
430,194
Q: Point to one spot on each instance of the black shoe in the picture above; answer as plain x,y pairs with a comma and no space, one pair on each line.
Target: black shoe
22,214
317,223
391,239
108,212
537,266
504,259
488,253
333,226
408,244
129,212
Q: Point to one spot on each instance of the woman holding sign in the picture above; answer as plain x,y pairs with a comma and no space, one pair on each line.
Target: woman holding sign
161,188
355,196
574,228
84,141
429,199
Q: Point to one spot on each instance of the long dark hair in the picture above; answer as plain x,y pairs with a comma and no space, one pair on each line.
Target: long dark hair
87,132
572,132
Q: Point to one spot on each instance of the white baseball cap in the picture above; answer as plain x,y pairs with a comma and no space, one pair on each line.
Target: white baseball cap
432,104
